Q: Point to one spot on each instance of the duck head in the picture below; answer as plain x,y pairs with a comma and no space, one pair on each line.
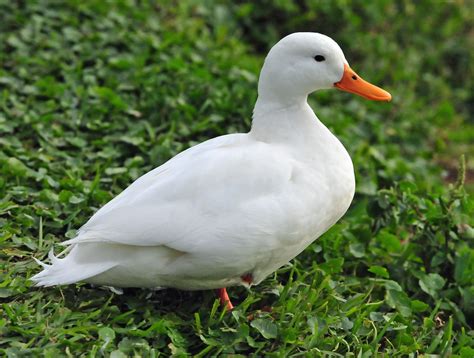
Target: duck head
304,62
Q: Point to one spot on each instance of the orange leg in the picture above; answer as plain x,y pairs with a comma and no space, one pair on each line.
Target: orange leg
225,300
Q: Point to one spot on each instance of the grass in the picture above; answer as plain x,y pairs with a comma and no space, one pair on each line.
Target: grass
94,94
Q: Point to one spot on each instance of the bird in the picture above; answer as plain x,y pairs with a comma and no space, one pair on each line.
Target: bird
233,209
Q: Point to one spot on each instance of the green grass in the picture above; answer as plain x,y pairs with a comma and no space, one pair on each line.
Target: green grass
93,94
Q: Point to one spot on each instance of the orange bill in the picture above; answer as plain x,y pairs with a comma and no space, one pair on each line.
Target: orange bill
351,82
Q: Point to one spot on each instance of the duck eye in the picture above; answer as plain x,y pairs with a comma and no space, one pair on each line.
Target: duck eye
319,58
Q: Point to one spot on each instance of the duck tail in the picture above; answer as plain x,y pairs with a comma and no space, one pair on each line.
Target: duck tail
64,271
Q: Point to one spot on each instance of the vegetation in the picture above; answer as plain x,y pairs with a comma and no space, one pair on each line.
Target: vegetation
95,93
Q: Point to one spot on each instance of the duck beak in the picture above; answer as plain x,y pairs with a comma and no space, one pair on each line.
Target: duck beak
351,82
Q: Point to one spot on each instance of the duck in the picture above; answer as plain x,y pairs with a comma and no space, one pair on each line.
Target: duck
233,209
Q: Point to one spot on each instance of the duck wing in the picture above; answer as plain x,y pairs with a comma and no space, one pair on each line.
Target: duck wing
215,196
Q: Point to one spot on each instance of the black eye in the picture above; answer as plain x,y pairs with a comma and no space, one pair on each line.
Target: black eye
319,58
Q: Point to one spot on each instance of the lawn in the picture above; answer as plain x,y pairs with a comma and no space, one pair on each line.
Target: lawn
94,94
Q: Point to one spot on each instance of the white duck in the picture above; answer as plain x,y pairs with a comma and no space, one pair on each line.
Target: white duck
235,208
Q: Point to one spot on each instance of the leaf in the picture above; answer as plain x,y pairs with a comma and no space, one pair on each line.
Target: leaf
346,324
376,316
332,266
106,334
466,352
75,200
110,96
400,301
464,267
65,195
419,306
132,140
313,324
77,142
468,299
431,284
16,167
357,249
468,232
389,241
118,354
267,328
115,171
5,292
392,285
379,271
127,345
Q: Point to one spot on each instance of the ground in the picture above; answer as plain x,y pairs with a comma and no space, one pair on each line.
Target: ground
95,93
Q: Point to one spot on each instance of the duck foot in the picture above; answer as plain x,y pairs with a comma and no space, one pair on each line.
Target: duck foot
224,298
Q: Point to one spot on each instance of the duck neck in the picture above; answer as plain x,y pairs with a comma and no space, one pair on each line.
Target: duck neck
289,120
